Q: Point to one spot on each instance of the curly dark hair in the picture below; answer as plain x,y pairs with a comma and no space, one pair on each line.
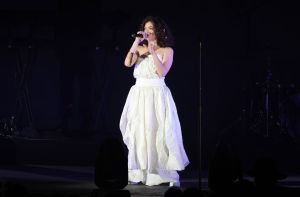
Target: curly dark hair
162,31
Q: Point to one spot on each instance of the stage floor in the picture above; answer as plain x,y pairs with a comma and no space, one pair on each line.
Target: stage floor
73,180
67,180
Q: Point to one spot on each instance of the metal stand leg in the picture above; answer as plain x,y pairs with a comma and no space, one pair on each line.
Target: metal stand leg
23,105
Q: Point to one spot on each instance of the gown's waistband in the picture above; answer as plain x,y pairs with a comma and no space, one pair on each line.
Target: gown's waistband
150,82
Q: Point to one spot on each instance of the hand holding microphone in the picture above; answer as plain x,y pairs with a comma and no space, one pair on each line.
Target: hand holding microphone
140,36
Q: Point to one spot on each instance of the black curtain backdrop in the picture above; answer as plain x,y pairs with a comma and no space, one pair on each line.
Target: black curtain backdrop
77,81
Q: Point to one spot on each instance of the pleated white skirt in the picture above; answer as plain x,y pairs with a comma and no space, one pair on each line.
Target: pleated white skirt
151,130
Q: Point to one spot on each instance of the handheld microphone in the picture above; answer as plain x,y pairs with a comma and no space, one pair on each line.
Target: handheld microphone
137,35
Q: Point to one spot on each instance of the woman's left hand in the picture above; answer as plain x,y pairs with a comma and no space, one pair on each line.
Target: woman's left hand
151,47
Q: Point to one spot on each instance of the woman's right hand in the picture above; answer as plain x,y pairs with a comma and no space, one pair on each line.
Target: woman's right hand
140,39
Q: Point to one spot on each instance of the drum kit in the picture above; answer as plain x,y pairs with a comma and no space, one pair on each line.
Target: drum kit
274,108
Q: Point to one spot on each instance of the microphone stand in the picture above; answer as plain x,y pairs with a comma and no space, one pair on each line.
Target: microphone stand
200,112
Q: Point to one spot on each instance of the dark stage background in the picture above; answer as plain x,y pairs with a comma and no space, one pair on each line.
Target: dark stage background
65,59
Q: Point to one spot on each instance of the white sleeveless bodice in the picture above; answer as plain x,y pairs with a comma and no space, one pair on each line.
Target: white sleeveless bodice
145,68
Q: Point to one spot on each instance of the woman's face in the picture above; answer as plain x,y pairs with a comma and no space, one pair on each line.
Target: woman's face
149,29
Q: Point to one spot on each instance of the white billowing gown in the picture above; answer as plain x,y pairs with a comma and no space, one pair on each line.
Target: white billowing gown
151,129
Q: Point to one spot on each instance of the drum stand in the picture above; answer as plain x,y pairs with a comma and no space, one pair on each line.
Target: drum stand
25,58
267,103
264,114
